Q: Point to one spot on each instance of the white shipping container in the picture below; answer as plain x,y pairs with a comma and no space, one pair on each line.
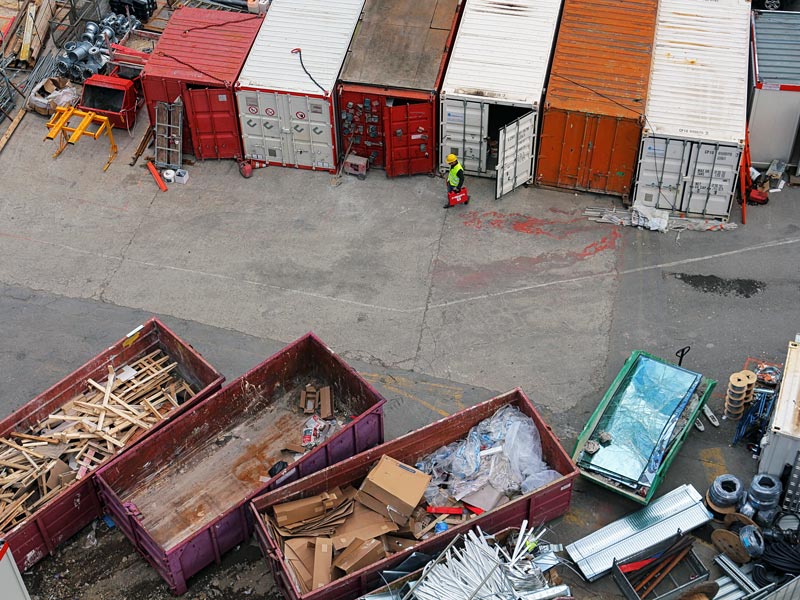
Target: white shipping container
285,98
493,86
782,441
696,108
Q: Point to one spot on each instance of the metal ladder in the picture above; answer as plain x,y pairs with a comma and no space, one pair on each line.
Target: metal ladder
169,135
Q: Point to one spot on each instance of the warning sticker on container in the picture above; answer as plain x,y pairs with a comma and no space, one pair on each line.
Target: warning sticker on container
252,109
270,112
300,114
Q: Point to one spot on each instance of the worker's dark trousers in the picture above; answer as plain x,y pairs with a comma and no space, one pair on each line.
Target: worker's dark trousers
452,188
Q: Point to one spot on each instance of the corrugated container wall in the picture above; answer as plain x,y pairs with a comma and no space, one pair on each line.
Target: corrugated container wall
775,101
198,59
592,118
493,87
388,87
695,129
285,92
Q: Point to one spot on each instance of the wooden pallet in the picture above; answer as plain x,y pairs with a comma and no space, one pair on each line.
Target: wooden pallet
93,426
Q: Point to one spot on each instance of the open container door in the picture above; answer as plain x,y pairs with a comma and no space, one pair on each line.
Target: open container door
213,117
515,154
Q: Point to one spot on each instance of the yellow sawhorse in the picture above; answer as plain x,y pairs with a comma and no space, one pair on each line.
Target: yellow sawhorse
59,124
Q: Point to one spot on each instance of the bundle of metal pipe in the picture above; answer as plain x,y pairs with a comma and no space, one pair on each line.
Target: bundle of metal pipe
646,578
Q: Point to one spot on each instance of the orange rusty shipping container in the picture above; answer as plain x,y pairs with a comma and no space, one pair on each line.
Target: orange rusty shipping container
594,107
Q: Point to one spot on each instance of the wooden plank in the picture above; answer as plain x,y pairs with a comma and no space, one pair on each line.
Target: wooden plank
106,394
27,34
21,449
35,438
11,128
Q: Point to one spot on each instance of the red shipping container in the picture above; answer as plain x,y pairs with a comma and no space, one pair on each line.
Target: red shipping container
538,506
77,504
198,59
594,107
388,90
181,497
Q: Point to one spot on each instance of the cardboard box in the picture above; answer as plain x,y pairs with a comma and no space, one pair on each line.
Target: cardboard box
394,544
396,487
323,558
308,399
363,524
299,553
306,508
359,554
387,511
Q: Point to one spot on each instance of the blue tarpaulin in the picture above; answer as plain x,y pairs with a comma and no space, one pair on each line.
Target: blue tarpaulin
641,419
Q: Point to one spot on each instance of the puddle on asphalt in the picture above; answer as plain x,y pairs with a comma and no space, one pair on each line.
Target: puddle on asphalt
711,284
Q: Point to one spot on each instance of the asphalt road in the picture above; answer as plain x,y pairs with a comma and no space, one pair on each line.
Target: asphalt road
441,309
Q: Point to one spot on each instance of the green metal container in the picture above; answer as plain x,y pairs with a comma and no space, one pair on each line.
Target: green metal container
619,399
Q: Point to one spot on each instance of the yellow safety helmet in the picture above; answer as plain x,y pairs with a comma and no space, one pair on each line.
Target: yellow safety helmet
451,158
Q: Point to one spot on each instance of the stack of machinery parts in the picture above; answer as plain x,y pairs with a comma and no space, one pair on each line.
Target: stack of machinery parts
762,535
723,496
741,386
141,9
755,420
91,53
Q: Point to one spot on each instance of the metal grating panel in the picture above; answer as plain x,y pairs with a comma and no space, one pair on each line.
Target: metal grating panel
680,510
791,500
777,45
788,592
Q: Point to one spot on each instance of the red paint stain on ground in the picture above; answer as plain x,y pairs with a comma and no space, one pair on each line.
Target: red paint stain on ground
608,242
520,223
518,269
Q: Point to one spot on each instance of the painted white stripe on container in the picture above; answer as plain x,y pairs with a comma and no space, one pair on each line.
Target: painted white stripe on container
502,50
698,82
321,28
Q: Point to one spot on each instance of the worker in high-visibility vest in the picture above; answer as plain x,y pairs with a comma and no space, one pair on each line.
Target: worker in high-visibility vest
455,177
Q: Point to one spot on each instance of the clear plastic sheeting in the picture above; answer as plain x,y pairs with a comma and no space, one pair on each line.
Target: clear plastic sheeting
464,467
633,434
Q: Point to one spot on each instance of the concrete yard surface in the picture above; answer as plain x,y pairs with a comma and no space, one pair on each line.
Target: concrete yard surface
439,309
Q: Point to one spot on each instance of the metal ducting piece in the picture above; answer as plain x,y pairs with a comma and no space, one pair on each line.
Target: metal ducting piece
681,510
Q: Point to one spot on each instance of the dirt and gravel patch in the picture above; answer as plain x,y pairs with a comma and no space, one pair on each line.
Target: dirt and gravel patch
100,564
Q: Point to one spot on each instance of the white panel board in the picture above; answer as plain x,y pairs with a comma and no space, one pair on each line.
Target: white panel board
774,120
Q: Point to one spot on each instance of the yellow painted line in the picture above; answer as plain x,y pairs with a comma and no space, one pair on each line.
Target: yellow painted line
713,462
397,387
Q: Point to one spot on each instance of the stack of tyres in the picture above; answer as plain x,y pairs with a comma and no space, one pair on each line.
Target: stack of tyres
141,9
